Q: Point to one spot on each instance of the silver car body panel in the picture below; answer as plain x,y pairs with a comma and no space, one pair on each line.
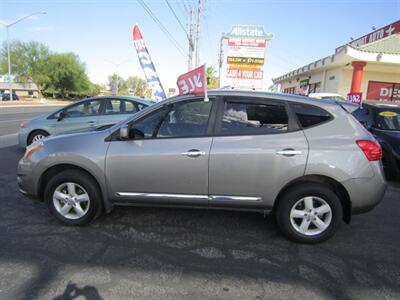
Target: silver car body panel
244,172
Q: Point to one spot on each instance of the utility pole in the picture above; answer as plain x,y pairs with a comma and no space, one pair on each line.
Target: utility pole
220,59
199,13
190,38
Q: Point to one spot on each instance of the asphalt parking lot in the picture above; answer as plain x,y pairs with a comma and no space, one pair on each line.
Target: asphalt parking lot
154,253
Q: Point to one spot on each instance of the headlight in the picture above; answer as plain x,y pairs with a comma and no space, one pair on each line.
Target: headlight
24,124
32,148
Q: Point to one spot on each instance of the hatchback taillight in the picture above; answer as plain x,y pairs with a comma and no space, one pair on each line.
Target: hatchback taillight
371,149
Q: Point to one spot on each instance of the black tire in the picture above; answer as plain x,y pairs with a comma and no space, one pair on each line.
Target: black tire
95,206
36,133
288,200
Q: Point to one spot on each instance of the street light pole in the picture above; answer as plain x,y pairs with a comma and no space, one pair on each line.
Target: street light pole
7,26
9,65
116,65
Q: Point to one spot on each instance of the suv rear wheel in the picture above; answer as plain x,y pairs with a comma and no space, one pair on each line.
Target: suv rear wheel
73,197
309,213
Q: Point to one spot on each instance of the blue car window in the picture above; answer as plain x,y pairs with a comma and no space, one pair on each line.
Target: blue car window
86,108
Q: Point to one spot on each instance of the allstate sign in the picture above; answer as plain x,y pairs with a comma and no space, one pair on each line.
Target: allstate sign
249,31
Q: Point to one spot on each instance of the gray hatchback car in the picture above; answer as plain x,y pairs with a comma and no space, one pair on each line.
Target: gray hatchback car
83,115
308,162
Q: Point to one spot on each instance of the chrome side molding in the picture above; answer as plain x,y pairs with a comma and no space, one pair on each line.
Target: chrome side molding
162,195
189,196
233,198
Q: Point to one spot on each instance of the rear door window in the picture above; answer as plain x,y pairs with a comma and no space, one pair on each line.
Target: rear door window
310,115
258,117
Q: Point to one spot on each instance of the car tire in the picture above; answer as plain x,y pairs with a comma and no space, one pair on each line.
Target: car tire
37,135
309,213
73,197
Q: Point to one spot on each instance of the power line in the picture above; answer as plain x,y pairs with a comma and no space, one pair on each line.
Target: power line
176,17
162,27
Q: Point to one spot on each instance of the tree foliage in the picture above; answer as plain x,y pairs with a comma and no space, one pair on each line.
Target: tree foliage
212,79
57,74
138,86
133,85
28,61
66,75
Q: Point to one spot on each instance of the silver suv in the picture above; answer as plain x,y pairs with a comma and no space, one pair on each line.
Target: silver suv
308,162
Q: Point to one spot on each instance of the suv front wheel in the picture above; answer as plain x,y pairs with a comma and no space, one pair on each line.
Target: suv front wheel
309,213
73,197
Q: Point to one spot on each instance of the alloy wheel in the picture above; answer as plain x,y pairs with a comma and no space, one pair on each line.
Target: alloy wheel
311,215
71,200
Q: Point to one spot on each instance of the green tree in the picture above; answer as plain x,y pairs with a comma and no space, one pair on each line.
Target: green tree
138,86
28,62
212,80
114,80
66,75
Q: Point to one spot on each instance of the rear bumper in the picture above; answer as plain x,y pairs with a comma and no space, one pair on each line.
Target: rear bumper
366,193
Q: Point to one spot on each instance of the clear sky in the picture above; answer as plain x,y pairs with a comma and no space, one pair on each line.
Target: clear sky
101,31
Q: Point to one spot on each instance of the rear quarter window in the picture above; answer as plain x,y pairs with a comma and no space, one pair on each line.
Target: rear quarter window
310,115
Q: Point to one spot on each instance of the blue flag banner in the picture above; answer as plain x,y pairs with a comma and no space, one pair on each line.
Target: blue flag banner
153,80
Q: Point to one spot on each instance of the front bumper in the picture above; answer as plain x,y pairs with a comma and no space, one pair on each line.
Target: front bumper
22,138
27,182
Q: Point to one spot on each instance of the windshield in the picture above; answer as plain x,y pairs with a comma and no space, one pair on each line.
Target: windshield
388,120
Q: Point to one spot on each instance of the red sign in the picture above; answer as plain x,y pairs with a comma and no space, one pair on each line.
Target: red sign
354,98
383,91
192,82
374,36
244,73
246,42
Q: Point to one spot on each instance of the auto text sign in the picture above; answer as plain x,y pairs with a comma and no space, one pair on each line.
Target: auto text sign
246,56
149,70
192,82
383,91
374,36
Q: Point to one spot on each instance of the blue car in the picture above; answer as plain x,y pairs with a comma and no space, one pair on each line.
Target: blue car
84,115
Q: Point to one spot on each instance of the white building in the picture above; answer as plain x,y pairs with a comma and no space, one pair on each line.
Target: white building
370,65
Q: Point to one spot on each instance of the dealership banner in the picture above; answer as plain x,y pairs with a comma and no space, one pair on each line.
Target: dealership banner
374,36
246,56
193,82
149,70
383,91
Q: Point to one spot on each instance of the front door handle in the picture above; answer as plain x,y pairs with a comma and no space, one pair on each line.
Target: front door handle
193,153
91,122
288,152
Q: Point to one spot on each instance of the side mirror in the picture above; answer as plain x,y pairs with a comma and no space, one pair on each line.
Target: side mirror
124,132
61,116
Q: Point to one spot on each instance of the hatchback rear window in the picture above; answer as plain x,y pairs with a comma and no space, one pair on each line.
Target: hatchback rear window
310,115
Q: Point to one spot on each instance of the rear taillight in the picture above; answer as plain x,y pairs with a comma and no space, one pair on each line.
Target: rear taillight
371,149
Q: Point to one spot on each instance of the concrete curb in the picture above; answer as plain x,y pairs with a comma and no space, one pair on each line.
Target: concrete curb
32,105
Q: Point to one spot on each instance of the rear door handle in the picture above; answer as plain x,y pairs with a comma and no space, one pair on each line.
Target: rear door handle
91,122
288,152
193,153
